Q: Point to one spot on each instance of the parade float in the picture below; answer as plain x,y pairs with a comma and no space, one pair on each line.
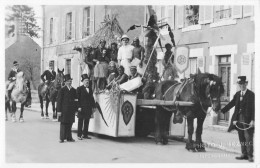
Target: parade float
120,113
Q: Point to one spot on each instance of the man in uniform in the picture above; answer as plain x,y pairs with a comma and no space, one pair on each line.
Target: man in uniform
48,75
243,118
66,109
12,78
86,105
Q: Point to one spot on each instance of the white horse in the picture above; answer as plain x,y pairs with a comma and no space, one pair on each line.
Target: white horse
19,95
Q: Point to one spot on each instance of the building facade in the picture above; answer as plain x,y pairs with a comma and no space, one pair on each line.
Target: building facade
221,41
67,26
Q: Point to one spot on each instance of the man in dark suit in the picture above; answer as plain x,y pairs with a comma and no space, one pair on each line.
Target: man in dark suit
48,75
85,106
243,118
66,108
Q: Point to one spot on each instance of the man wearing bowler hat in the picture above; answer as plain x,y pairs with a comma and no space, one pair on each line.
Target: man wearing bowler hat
86,105
66,108
243,118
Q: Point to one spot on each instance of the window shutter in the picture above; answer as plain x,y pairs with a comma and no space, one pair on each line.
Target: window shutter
208,14
55,29
63,28
201,14
92,19
248,11
48,31
170,20
236,12
80,23
180,12
158,13
73,33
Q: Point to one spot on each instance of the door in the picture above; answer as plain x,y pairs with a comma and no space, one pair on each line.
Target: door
224,73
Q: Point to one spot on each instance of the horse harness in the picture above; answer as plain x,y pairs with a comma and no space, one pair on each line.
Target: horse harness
179,91
176,96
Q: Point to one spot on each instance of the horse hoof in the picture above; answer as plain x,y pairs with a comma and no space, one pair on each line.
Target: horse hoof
21,120
55,120
46,117
13,120
42,117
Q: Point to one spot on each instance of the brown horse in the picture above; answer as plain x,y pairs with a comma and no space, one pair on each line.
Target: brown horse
49,94
19,95
203,89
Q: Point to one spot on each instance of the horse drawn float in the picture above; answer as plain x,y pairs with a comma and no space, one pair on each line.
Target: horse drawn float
120,113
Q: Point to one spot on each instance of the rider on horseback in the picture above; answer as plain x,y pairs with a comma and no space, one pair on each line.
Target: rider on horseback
12,78
49,75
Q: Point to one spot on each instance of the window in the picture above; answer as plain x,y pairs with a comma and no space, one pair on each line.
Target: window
86,22
222,12
225,74
192,69
68,66
51,30
68,29
191,15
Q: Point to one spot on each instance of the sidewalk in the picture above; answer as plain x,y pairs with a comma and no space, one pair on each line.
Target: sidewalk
213,136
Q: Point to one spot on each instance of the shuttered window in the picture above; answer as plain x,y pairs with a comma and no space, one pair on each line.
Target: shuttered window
68,28
86,22
68,66
222,12
51,31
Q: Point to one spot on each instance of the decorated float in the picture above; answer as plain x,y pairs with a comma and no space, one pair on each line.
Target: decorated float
119,112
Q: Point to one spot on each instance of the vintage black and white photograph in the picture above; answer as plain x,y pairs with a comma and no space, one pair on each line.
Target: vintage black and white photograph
101,82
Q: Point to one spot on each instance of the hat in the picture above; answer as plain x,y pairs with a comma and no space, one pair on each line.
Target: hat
67,77
136,39
84,76
133,67
124,36
15,63
241,80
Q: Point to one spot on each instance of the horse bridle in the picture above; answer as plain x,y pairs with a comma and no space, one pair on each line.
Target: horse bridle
208,96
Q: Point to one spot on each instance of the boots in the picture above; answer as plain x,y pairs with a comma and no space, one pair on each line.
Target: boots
9,94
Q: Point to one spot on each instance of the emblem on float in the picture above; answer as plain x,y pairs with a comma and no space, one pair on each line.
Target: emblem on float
181,59
127,110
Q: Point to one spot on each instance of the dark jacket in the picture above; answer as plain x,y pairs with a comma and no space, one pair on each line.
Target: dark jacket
247,106
13,74
67,104
50,76
85,101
